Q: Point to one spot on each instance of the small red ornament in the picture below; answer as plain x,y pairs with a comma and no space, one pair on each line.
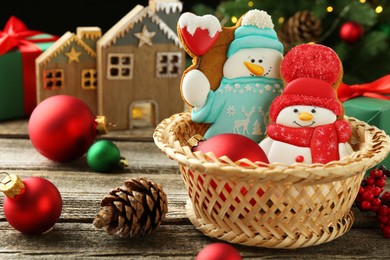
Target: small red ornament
218,251
234,146
32,205
62,128
351,32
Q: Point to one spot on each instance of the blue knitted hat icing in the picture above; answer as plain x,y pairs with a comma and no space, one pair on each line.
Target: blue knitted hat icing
256,31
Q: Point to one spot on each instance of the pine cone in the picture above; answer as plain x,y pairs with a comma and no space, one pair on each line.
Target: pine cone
303,27
134,209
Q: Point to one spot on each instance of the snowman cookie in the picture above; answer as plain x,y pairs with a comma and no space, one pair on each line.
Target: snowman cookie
250,75
307,124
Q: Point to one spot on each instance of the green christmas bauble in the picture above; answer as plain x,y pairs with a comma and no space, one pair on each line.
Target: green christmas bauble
104,156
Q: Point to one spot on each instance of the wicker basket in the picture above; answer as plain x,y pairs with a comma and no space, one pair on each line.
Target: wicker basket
275,205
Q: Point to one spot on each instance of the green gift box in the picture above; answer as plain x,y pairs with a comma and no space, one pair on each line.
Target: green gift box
373,111
369,102
19,47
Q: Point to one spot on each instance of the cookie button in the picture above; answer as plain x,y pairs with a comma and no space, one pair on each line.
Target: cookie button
299,158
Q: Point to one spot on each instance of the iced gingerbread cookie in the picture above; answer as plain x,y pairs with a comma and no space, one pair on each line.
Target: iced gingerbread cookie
250,73
307,124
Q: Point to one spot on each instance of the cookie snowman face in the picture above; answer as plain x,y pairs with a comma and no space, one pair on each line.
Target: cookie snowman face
305,116
260,62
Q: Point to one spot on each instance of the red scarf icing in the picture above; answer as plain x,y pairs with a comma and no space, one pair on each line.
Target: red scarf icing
323,140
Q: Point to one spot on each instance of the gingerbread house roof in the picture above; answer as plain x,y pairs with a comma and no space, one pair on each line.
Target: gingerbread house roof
136,15
67,39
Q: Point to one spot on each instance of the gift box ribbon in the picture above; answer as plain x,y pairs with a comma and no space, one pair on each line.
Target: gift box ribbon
376,89
17,35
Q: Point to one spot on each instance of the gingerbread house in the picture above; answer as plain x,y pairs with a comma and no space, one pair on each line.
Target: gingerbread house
68,67
131,74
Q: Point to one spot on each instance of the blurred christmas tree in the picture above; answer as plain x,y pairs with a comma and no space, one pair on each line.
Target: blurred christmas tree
358,30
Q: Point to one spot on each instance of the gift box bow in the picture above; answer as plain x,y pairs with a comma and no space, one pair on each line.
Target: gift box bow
16,34
371,104
376,89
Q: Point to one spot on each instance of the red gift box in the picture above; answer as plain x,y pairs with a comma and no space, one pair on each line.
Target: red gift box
19,47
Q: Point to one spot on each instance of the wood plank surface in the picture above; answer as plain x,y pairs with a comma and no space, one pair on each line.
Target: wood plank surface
74,236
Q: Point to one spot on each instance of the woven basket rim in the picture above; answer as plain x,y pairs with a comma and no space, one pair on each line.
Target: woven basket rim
375,149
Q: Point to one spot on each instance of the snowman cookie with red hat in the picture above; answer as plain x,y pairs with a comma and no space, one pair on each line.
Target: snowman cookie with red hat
307,124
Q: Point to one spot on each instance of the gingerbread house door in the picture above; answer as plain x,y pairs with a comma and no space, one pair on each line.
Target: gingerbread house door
143,114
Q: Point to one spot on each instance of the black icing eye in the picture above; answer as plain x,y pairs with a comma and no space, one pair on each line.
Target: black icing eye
295,110
253,60
260,61
313,111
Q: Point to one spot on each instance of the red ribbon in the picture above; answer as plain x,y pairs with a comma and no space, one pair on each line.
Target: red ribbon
376,89
16,34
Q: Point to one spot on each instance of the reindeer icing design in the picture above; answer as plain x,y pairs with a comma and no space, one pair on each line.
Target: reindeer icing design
243,122
251,80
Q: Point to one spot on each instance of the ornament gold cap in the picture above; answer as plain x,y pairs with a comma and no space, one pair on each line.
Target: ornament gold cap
123,163
101,125
11,185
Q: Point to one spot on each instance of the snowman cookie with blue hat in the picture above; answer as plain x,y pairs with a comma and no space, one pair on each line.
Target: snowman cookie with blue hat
250,74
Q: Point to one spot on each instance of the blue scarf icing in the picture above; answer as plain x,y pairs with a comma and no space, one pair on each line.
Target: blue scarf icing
239,105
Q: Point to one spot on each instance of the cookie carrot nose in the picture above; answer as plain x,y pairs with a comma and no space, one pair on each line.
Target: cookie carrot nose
257,70
304,116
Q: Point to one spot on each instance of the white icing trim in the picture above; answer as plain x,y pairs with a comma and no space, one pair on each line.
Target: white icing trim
193,22
165,29
169,7
258,18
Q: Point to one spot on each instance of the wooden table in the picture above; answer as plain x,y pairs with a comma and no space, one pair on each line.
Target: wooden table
74,236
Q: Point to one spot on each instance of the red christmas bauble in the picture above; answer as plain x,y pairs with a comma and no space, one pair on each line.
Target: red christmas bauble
351,32
36,208
218,251
62,128
234,146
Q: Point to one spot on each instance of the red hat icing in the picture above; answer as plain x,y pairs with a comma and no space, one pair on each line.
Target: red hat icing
309,71
309,92
311,61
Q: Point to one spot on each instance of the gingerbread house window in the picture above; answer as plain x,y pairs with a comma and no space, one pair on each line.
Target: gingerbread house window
89,79
168,64
120,66
53,79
